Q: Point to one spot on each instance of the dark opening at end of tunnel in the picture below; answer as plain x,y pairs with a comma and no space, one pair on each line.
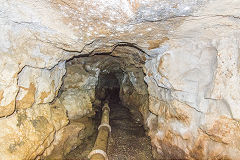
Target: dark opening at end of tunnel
108,87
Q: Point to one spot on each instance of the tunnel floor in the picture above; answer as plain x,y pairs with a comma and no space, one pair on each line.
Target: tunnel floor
127,141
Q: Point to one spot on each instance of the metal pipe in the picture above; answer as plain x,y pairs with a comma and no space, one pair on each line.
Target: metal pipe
99,151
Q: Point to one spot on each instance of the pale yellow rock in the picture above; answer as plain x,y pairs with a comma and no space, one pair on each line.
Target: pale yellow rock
199,71
76,102
36,125
191,50
65,139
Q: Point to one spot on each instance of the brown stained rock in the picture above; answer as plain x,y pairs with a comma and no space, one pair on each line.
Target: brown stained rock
163,63
172,110
13,147
156,43
170,151
181,112
224,130
1,95
198,151
29,98
21,117
44,95
8,109
40,124
59,111
40,132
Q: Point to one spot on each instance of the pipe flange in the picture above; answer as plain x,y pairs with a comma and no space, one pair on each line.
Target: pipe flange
105,106
105,125
98,151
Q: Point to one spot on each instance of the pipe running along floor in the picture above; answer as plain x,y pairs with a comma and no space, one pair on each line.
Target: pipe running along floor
127,141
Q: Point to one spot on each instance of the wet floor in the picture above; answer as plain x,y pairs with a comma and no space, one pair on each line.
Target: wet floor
128,140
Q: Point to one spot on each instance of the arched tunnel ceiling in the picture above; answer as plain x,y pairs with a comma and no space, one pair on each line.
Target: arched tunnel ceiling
125,56
115,60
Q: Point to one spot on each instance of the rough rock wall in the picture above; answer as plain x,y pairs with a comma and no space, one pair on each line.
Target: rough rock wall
36,125
36,120
192,68
78,90
32,65
134,93
194,87
88,79
77,95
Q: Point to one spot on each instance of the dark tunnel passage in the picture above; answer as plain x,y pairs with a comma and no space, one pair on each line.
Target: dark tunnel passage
125,90
108,87
128,139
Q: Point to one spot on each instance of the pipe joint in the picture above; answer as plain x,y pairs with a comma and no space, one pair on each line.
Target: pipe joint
105,107
98,151
105,125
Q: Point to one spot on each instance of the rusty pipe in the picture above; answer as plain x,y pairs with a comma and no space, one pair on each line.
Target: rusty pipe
99,151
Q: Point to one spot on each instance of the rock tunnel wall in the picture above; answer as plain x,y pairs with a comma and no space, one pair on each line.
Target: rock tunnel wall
89,79
191,54
134,93
86,85
78,90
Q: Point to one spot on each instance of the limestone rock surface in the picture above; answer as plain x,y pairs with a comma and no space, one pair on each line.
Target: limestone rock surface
190,53
193,87
76,102
36,125
68,138
78,91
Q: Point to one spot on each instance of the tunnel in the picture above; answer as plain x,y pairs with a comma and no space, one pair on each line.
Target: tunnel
119,79
110,84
